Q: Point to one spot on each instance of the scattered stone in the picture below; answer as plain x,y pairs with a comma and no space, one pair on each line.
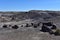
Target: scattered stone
15,27
45,29
57,32
35,26
54,27
32,24
38,24
4,26
10,25
48,24
21,25
27,25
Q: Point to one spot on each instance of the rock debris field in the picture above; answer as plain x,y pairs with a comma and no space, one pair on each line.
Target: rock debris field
25,33
31,25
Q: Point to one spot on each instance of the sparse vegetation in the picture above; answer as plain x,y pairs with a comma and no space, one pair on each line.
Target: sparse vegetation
57,32
30,31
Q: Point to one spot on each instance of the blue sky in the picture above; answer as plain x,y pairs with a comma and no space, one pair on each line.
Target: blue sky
25,5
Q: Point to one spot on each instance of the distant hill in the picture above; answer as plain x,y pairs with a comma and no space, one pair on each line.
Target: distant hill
32,14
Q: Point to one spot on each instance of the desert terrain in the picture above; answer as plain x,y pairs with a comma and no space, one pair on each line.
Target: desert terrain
23,18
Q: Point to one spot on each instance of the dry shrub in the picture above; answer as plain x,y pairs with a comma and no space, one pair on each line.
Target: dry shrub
57,32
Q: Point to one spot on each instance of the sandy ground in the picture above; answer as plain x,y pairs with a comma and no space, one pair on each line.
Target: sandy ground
24,33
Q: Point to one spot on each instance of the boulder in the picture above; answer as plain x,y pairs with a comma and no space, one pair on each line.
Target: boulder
15,27
4,26
27,25
32,24
54,27
35,26
45,29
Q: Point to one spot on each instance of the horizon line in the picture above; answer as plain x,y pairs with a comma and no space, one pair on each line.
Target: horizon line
26,10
